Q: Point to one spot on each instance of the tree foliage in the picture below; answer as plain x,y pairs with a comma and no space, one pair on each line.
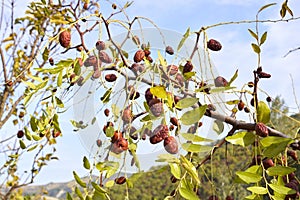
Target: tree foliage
51,63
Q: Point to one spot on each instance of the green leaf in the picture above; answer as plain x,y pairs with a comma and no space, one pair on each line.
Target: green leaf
105,98
196,148
194,138
189,75
175,170
263,112
275,149
253,34
32,148
263,38
258,190
282,189
29,84
98,188
109,132
68,196
280,170
27,134
78,193
249,177
186,102
33,124
59,78
59,103
190,168
233,102
86,163
166,158
235,75
22,144
45,54
78,180
109,183
241,138
268,141
188,194
193,116
266,6
218,126
255,48
185,36
159,92
221,89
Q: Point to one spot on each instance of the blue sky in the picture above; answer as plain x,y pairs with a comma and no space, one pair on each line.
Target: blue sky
236,53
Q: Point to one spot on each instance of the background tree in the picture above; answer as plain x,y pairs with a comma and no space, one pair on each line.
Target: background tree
48,58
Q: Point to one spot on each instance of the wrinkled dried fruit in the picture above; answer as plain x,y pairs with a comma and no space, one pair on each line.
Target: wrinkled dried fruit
121,180
268,99
147,52
106,112
292,154
65,38
110,77
117,135
188,67
149,58
51,61
104,57
156,107
135,67
264,75
91,61
172,69
247,110
127,115
159,134
148,95
169,50
214,45
99,143
241,105
171,145
220,82
268,163
119,146
20,134
295,186
261,129
139,56
174,121
100,45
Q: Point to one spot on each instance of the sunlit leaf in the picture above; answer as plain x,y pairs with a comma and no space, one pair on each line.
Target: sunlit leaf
22,144
159,92
253,34
186,102
175,170
263,112
249,177
33,124
190,168
193,138
280,170
185,36
235,75
282,189
255,48
196,148
86,163
193,116
45,54
258,190
78,193
161,59
266,6
218,126
241,138
188,194
59,78
233,102
78,180
263,38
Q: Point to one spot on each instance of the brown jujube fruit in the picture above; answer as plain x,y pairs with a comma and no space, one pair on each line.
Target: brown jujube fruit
241,105
214,45
51,61
261,129
65,38
188,67
139,56
169,50
100,45
91,61
20,134
106,112
267,163
104,57
171,145
127,115
157,108
174,121
110,77
120,180
117,135
172,69
220,81
99,143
